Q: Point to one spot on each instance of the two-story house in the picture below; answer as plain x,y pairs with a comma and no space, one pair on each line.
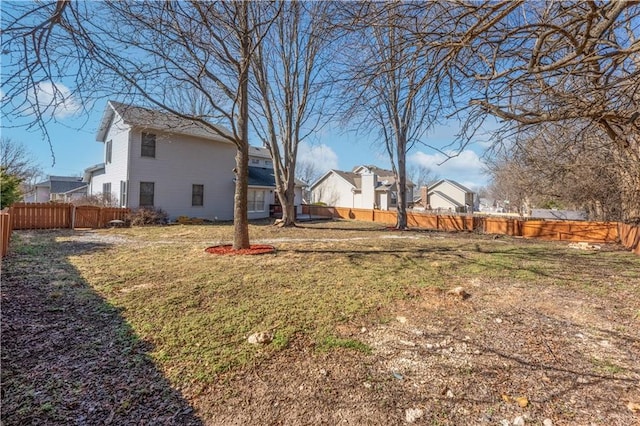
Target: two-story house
366,187
449,195
156,159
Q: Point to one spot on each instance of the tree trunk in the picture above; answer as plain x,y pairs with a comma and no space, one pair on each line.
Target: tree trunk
401,185
240,218
630,195
287,201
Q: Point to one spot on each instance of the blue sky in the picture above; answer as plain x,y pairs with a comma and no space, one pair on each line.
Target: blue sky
75,148
72,136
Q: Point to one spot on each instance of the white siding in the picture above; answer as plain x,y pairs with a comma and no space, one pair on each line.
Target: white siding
255,161
42,194
116,170
446,188
297,199
334,191
436,201
180,162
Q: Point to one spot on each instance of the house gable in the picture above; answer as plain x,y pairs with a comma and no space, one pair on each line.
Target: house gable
448,194
159,121
344,176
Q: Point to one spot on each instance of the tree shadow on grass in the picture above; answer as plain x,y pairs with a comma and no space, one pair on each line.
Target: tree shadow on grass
68,356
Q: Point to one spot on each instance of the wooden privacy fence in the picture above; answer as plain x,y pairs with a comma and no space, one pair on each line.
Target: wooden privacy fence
630,237
62,215
595,232
5,232
54,216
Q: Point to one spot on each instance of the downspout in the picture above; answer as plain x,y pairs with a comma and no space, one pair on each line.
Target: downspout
126,182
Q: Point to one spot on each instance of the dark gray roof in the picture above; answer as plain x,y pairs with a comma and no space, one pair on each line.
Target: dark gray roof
264,176
62,184
261,176
155,120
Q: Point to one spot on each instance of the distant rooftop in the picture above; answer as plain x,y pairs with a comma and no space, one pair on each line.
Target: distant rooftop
62,184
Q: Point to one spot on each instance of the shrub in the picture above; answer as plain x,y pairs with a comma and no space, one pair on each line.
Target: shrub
9,189
100,200
148,216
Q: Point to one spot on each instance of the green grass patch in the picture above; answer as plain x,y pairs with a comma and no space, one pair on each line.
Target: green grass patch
607,367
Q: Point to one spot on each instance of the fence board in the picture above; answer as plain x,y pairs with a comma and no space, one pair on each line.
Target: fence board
5,233
41,215
86,217
630,237
108,214
63,215
602,232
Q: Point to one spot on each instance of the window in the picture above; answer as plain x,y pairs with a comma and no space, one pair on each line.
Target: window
255,161
146,194
108,149
148,145
197,195
255,201
123,193
268,163
106,192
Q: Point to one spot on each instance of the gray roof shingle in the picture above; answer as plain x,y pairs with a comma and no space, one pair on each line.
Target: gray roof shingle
62,184
261,176
156,120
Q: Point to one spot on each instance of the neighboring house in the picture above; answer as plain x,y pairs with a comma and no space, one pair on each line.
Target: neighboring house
449,195
366,187
156,159
64,189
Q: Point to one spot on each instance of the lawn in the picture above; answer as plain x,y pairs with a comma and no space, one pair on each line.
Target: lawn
125,324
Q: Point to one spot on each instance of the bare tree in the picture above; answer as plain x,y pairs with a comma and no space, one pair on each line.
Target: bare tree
140,50
574,64
421,175
291,88
555,167
393,86
16,160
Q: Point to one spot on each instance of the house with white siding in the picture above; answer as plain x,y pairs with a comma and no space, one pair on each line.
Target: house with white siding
451,196
366,187
156,159
64,189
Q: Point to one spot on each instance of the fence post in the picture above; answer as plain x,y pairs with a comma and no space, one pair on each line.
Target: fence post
72,211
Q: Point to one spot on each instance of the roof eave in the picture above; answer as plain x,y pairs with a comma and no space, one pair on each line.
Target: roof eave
107,118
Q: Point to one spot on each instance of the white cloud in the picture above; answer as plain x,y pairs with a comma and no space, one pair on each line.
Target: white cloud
54,99
314,161
321,156
466,168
